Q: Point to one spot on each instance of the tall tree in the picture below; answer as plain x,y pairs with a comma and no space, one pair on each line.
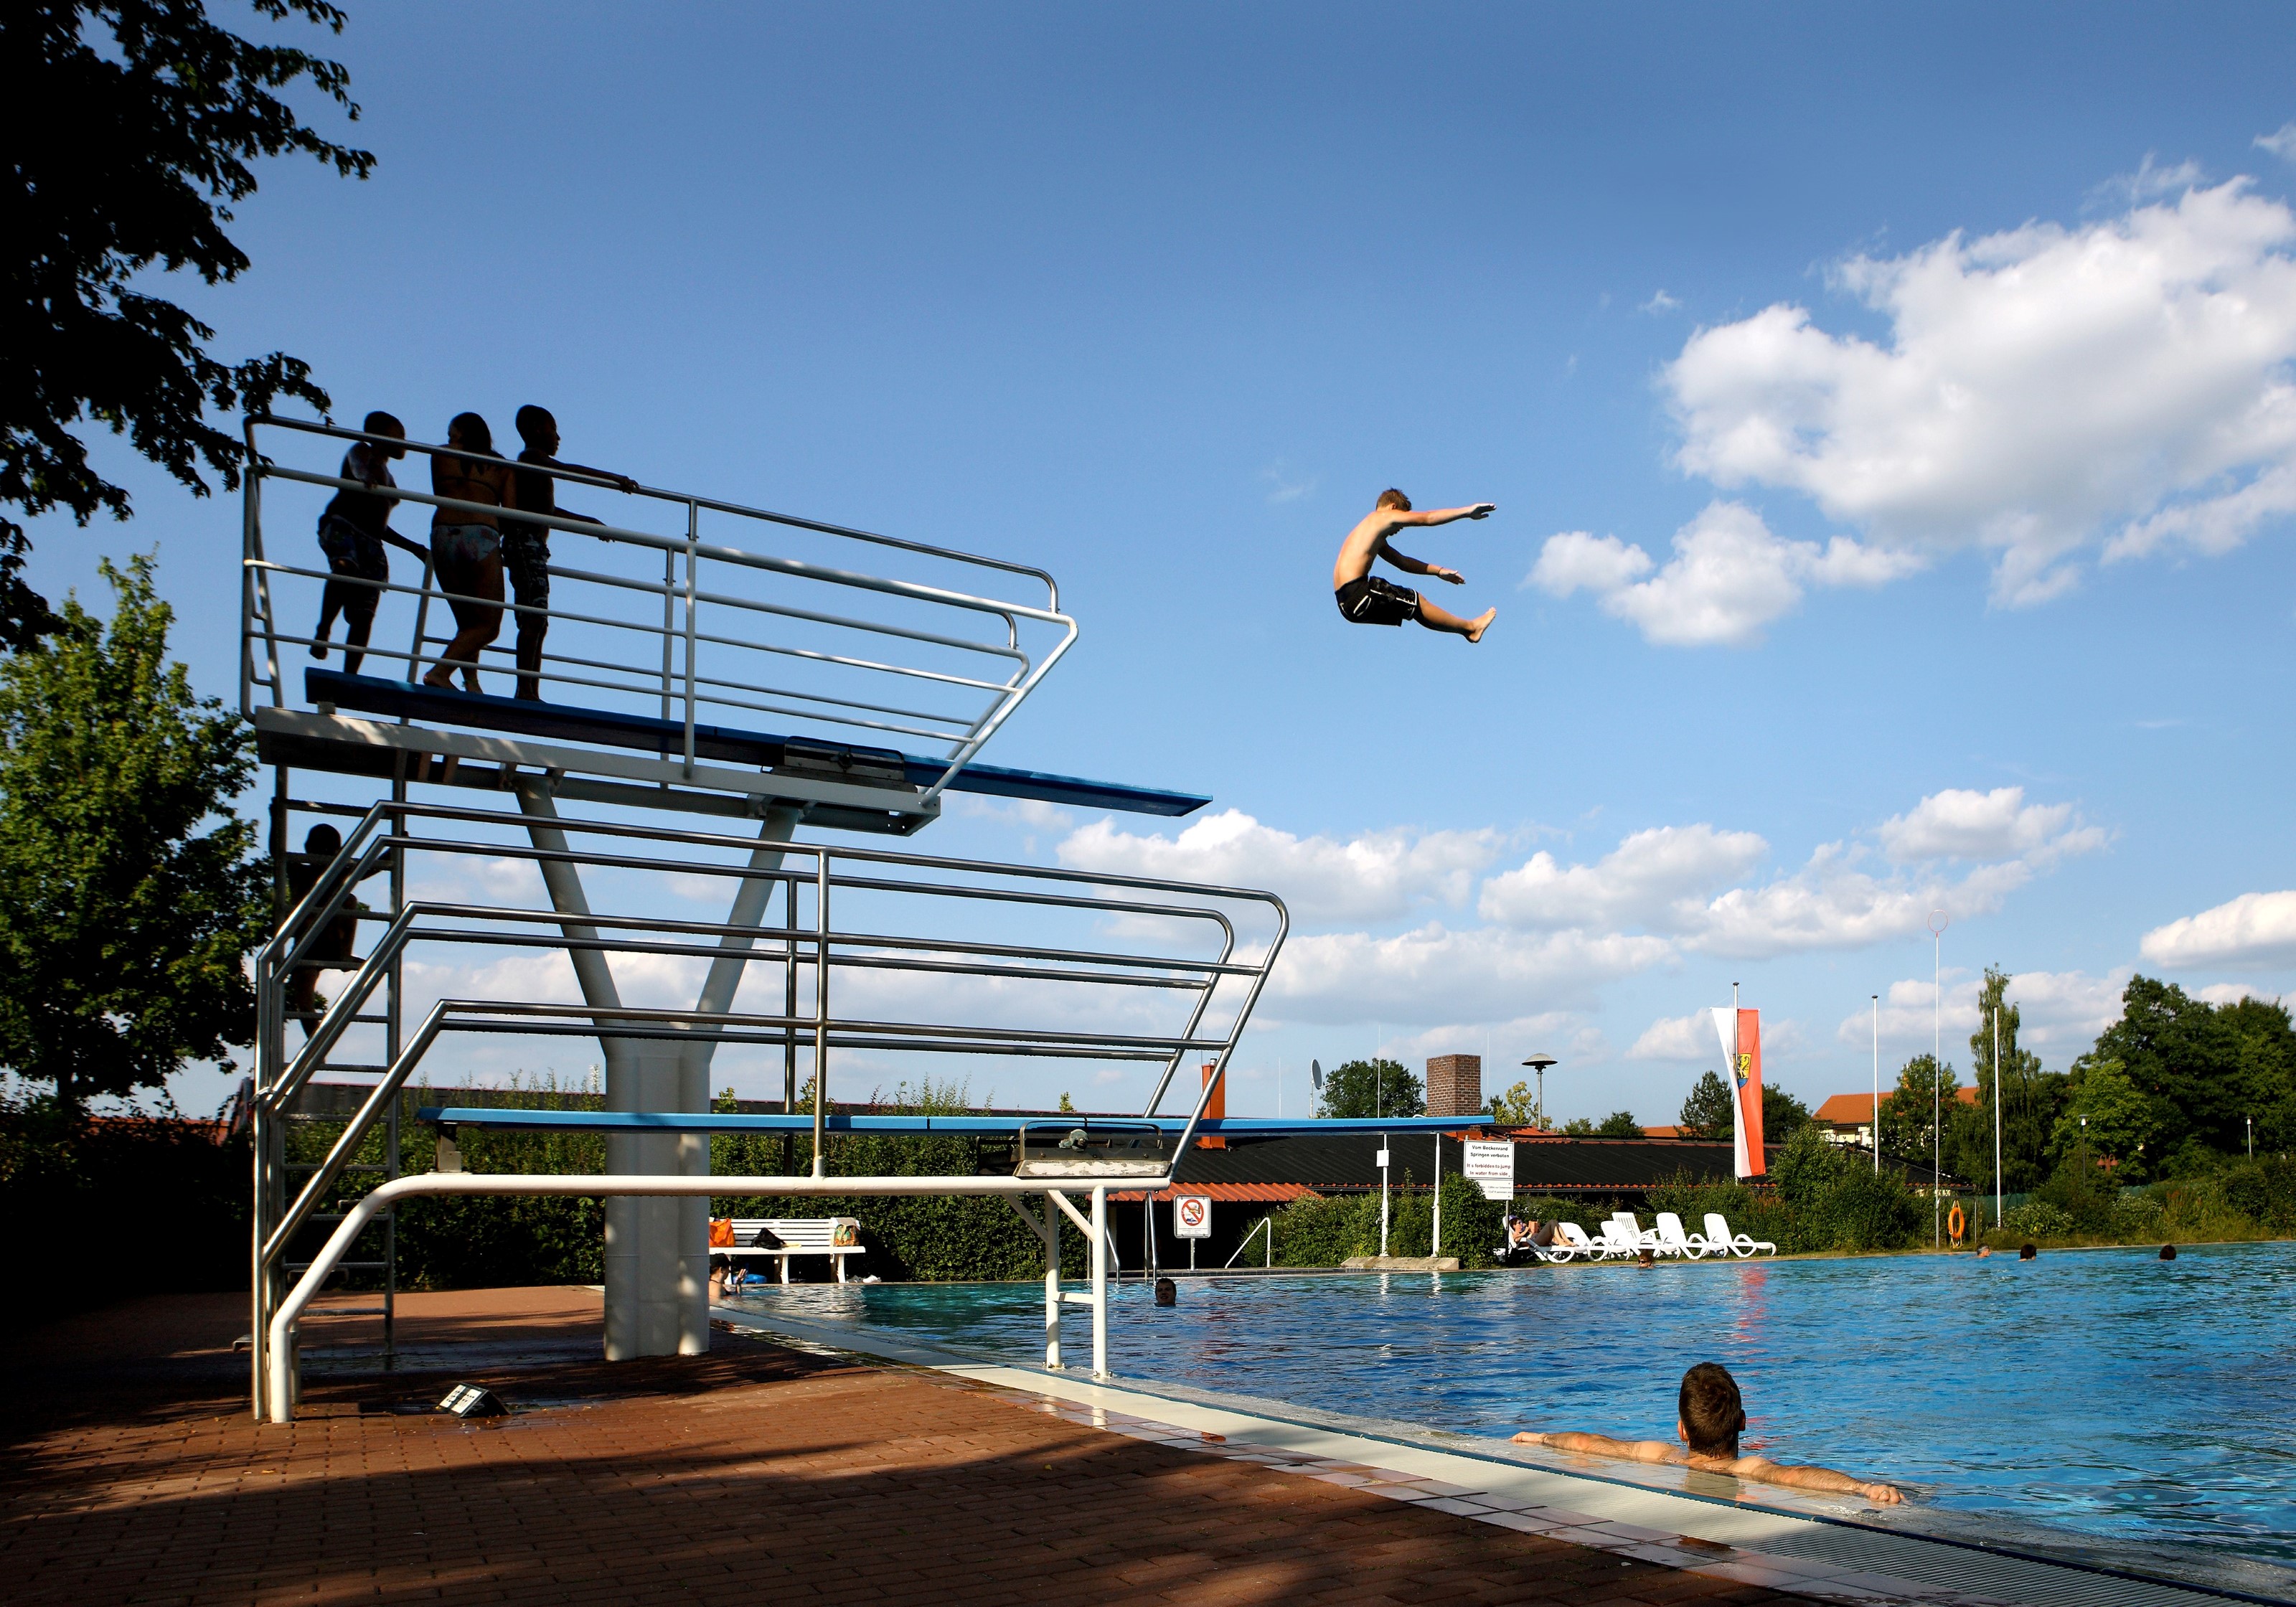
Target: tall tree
1372,1087
1710,1110
2031,1099
127,900
150,115
1518,1107
2111,1118
2185,1056
1910,1111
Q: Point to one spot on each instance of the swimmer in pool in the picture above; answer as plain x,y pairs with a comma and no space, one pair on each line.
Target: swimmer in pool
1710,1418
1366,598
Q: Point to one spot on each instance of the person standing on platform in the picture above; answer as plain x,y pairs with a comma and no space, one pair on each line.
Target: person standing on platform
526,545
352,532
466,546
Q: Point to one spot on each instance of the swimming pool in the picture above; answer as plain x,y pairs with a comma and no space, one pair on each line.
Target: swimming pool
2147,1406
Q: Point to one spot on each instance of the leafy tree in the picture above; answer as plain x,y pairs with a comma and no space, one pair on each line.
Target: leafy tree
1710,1111
1619,1124
152,115
1806,1168
1372,1087
1518,1107
1909,1112
2111,1117
1782,1115
1067,1104
1580,1127
2031,1100
2185,1056
127,900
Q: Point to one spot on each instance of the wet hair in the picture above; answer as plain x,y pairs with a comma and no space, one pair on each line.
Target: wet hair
1711,1409
383,423
323,839
2168,1252
2026,1253
1393,499
473,431
534,422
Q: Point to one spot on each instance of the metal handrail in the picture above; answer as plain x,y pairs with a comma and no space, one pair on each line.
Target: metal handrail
680,682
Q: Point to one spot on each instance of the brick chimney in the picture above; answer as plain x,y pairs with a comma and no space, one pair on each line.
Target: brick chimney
1454,1085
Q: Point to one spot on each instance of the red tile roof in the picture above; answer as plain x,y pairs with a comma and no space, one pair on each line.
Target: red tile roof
1856,1109
1274,1191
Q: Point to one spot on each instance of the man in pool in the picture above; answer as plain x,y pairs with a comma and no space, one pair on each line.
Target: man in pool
1366,598
1711,1416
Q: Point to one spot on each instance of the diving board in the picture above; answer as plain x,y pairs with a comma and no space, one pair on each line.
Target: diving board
666,738
774,1122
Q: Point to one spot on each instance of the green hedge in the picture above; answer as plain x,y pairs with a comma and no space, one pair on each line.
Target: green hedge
1311,1231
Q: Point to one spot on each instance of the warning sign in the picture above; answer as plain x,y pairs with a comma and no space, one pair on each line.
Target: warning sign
1192,1216
1491,1164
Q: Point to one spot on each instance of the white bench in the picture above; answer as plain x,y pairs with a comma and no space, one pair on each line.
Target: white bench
782,1237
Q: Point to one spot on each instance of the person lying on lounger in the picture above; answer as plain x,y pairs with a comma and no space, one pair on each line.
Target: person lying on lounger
1711,1417
1527,1233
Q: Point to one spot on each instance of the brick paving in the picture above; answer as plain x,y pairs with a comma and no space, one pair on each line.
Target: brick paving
755,1474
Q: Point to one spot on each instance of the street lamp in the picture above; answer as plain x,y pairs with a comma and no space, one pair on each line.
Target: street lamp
1539,1062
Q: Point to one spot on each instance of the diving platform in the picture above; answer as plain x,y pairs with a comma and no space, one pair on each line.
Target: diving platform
505,1119
673,652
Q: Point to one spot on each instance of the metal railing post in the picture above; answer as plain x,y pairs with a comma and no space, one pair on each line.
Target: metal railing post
1051,1235
821,1013
1100,1280
692,542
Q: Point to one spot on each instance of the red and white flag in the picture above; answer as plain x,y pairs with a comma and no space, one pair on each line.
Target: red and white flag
1741,1032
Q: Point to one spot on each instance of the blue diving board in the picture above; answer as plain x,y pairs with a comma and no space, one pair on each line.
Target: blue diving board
774,1122
446,706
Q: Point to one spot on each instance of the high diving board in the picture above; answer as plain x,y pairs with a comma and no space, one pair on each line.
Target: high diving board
773,1121
841,785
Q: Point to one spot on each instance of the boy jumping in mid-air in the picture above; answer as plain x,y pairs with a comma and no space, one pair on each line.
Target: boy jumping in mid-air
1366,598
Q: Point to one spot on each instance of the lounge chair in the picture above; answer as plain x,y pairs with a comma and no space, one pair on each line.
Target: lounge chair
1620,1240
1574,1242
1677,1241
1719,1236
1644,1238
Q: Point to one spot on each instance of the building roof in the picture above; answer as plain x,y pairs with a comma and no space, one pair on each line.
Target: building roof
1856,1109
1276,1192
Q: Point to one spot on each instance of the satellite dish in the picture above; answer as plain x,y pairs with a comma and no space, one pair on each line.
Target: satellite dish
1315,1071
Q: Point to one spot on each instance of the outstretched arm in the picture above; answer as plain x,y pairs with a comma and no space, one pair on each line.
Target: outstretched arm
622,482
1824,1479
1482,509
1413,566
1602,1445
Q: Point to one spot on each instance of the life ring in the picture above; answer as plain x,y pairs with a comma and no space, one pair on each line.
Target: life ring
1955,1222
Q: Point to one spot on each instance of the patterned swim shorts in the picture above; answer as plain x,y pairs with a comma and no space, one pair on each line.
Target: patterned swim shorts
525,554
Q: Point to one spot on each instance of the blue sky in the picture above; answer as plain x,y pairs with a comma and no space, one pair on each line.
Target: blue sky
1889,416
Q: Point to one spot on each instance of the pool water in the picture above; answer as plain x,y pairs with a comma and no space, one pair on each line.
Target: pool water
2148,1405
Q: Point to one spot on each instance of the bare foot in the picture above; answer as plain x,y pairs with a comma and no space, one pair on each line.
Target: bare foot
443,680
1481,624
319,648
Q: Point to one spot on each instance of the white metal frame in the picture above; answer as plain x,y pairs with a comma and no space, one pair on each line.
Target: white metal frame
387,830
708,592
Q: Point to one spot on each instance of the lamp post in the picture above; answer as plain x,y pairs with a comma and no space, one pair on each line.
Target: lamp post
1875,1130
1539,1062
1997,1116
1938,922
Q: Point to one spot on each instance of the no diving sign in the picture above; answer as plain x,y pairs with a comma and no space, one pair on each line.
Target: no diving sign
1192,1216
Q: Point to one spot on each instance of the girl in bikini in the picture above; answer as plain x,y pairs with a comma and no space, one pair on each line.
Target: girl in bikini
466,546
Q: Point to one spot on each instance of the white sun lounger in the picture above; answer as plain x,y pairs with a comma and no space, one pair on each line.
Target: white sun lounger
1677,1241
1574,1242
1719,1236
1623,1239
1644,1238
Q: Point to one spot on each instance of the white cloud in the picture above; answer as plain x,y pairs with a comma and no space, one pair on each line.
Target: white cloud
2281,142
1435,974
1660,302
1283,485
1651,879
2059,1014
2040,391
1729,577
1674,880
2150,182
1679,1038
1960,824
1376,876
2233,993
2255,929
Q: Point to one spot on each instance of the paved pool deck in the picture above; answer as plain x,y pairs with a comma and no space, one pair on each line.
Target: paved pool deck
785,1466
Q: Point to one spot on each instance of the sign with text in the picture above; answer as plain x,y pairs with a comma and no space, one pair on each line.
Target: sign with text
1490,1163
1192,1216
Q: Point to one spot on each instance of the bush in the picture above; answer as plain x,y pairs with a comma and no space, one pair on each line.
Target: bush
1312,1231
2083,1191
1872,1210
2038,1218
2264,1191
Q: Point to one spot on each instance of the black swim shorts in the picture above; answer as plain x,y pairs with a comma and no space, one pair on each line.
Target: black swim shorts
1369,599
